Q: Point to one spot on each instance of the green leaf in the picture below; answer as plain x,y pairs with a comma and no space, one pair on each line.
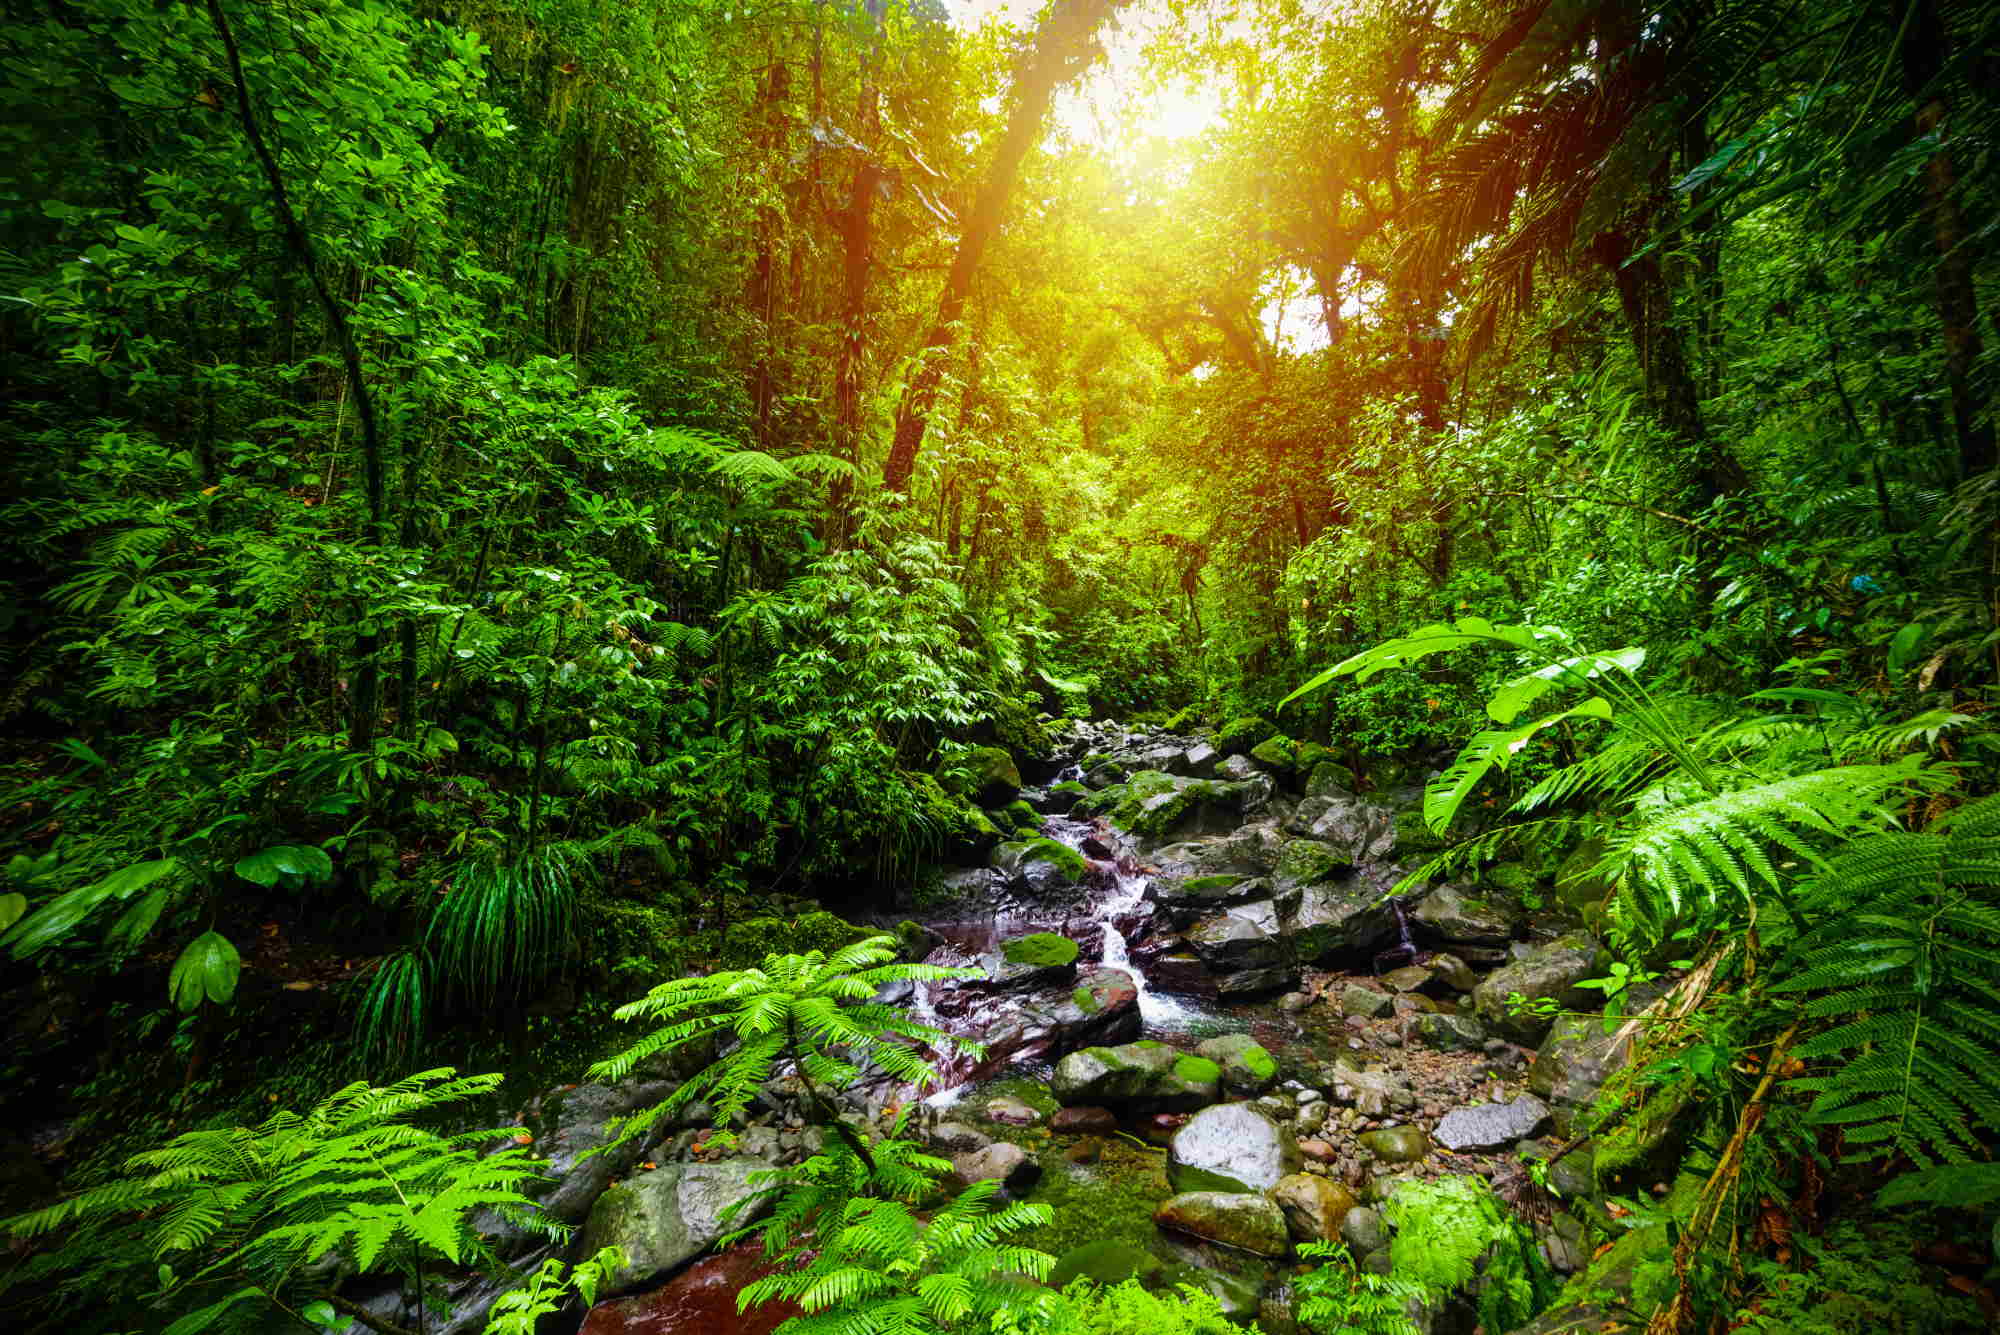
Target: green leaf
12,906
207,969
1447,793
266,866
202,1318
321,1313
53,920
1424,642
134,924
1907,645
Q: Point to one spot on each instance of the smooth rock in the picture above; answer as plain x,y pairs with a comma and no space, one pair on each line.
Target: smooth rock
1006,1163
1492,1126
1009,1111
1397,1144
1362,1230
1313,1206
665,1218
1451,1033
1365,1002
1232,1147
1247,1068
1084,1121
1550,971
1458,915
1136,1074
1245,1220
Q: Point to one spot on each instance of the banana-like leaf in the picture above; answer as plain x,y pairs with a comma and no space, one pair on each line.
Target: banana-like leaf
1495,747
1508,702
134,923
266,865
12,908
1422,643
207,970
54,920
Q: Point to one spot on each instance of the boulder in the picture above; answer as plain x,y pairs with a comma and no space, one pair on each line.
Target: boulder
1199,760
1246,983
1107,1261
1038,867
1010,1111
665,1218
1232,1147
1008,1164
1144,1074
1339,917
1247,1069
1246,936
1573,1063
1550,971
1186,896
1451,1033
987,775
1492,1126
1275,754
698,1301
1365,1001
1409,978
1453,972
571,1125
1458,916
1237,769
1328,778
1084,1121
1314,1206
1356,830
1245,1220
956,1137
1239,735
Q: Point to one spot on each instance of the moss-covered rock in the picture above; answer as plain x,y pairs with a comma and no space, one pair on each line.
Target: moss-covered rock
1021,817
1275,753
969,833
1511,879
986,775
640,945
1107,1261
1310,756
1016,728
749,941
1021,856
1247,1067
1239,735
1414,838
1041,949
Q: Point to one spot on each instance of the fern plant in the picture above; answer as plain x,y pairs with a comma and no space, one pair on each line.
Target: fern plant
1903,970
811,1013
1337,1298
247,1209
1452,1229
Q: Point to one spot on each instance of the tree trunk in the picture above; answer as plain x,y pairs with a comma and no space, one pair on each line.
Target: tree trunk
1061,49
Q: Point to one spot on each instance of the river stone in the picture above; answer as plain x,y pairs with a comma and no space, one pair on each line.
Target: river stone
1186,896
1573,1063
1365,1001
1244,1220
1084,1121
1455,914
1146,1074
1409,978
662,1219
1246,983
1244,937
1199,760
1232,1147
1010,1111
1247,1068
1453,972
953,1137
1107,1261
1236,769
1397,1144
1451,1033
1492,1126
570,1125
1313,1206
1335,918
1361,1229
1547,971
1010,1165
1355,830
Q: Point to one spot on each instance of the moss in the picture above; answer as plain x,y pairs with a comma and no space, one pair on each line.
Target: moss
1510,878
1016,728
1239,735
1202,885
1042,949
1259,1062
1086,1001
1031,1092
1149,1044
1311,755
1413,836
1275,753
985,774
1197,1071
639,944
1022,816
1062,855
1107,1261
1093,760
749,941
1071,786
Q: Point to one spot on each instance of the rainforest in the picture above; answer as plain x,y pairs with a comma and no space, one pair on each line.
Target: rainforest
1000,667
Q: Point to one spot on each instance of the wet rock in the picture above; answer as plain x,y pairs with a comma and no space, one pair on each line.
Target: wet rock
1355,830
1244,937
1187,896
1336,918
1453,972
1200,760
1362,1230
1038,867
1143,1074
986,775
1397,1144
1247,1069
1108,1261
1008,1164
570,1125
1575,1060
1102,1006
1492,1126
955,1137
1231,1147
1294,1002
1245,1220
1236,769
1084,1121
1458,915
1246,983
1010,1111
1451,1033
1409,978
1550,971
698,1301
662,1219
1329,778
1365,1001
1313,1206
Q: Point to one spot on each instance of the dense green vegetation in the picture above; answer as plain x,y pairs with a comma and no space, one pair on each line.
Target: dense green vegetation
514,504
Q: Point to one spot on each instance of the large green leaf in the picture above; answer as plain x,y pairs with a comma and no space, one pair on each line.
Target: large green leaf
1508,702
54,920
12,907
207,970
1422,643
267,865
1496,747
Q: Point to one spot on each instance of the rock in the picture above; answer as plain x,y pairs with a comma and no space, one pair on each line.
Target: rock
953,1137
1244,1220
1294,1002
1187,897
987,775
1143,1074
1247,1069
1549,971
1108,1261
1010,1165
1084,1121
1453,913
569,1125
1199,760
1246,983
1453,972
1355,830
1231,1147
1451,1033
1362,1230
1365,1001
1313,1206
665,1218
1335,918
1236,769
1086,1151
1275,754
1011,1112
1038,867
1319,1151
1244,937
1409,978
1574,1061
698,1301
1397,1144
1239,735
1328,778
1492,1126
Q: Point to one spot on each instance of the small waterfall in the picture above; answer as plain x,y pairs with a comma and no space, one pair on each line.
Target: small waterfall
1128,891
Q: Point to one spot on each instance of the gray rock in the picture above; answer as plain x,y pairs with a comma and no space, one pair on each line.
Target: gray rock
1338,917
662,1219
1362,1230
1492,1126
1451,1033
1365,1001
1456,914
569,1124
1199,760
1010,1165
1356,830
1549,971
1232,1147
1453,972
1257,982
1243,937
1247,1068
1143,1074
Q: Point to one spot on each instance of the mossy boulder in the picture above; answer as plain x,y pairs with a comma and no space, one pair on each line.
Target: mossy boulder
1016,728
1275,753
1107,1261
1037,866
1245,1220
1041,949
986,775
1310,756
1134,1075
1063,796
1248,1068
969,833
1511,879
1414,839
749,941
1022,817
1240,735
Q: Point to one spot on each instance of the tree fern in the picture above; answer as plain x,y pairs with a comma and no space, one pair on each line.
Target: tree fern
1903,969
812,1013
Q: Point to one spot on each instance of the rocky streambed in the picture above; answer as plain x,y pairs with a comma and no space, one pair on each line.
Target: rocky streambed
1210,1035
